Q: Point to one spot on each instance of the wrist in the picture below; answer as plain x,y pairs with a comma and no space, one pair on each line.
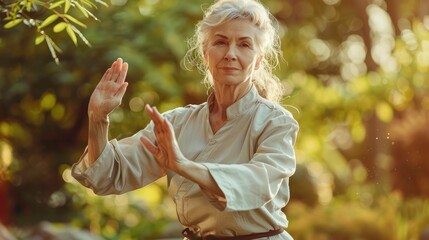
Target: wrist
186,168
97,118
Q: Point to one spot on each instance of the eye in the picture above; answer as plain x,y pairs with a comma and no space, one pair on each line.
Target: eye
246,45
219,42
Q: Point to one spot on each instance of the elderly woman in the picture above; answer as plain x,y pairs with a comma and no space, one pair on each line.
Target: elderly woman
227,160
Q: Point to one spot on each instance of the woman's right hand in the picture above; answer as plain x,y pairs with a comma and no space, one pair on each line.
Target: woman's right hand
109,91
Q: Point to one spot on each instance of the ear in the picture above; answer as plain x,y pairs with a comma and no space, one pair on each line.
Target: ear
258,62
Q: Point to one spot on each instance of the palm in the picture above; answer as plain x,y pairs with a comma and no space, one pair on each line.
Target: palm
167,152
104,97
110,90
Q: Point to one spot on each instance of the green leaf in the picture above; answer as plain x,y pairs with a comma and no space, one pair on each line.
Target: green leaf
58,49
28,6
71,34
85,11
48,20
52,48
89,3
74,20
57,4
82,9
102,3
60,27
67,6
81,36
12,23
39,39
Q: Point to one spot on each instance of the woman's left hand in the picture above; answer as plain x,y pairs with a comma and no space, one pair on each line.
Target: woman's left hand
169,156
167,151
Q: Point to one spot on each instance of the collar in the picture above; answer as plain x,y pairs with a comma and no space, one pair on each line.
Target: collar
241,106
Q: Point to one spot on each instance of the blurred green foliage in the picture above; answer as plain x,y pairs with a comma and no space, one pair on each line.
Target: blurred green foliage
389,217
356,73
58,14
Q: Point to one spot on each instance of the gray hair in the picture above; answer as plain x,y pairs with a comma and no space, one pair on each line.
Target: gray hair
268,42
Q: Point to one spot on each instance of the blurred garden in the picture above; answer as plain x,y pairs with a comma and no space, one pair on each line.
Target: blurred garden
357,79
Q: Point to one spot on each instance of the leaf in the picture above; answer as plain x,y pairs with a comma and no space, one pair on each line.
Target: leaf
85,11
28,6
81,36
82,9
39,39
102,3
92,15
57,4
58,49
89,3
74,20
60,27
71,34
48,20
51,46
67,6
12,23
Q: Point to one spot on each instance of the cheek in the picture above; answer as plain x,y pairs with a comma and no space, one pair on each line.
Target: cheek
250,63
213,56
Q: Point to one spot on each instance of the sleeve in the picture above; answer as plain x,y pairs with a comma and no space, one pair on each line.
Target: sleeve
123,166
251,185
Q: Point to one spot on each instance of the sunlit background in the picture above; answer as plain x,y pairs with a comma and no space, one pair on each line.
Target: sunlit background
357,79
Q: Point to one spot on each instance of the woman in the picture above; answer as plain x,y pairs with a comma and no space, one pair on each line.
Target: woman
228,160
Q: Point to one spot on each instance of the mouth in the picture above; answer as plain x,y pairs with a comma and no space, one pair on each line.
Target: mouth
229,68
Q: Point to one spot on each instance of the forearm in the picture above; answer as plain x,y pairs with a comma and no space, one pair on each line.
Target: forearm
97,135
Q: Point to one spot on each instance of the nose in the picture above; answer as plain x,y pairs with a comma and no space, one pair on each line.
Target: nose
231,54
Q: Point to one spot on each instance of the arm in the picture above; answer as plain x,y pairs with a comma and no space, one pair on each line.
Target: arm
169,156
105,98
114,167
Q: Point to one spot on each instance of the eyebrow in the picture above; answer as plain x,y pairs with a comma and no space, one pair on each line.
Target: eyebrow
240,38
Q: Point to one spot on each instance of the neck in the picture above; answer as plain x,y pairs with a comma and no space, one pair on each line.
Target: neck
226,95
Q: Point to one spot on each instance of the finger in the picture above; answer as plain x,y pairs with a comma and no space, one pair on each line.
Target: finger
159,130
121,90
151,115
111,70
149,146
123,73
157,115
148,110
156,152
151,111
168,128
158,133
106,75
116,66
165,128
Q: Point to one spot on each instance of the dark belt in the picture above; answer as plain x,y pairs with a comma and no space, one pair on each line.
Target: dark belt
188,234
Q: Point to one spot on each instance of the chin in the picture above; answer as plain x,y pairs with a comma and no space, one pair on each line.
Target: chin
230,80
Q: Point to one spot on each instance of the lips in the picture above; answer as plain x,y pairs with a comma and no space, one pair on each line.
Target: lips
229,68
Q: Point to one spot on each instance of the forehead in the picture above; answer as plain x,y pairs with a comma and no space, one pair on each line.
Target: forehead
238,28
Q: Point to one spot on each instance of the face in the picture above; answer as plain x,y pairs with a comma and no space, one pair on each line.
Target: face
231,53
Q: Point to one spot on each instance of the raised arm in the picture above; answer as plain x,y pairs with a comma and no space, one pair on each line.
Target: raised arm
105,98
